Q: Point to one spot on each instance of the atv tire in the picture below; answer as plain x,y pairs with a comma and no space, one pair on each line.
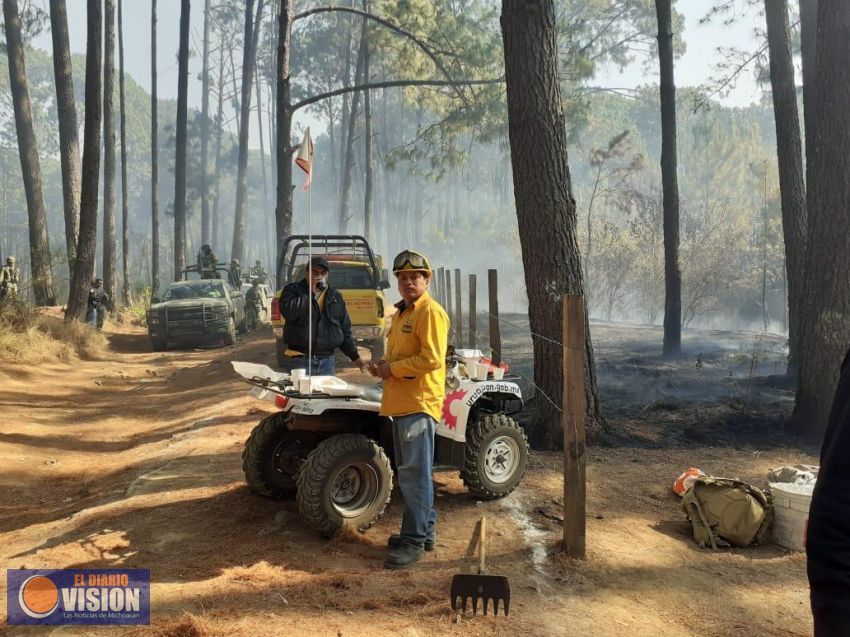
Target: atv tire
272,456
345,481
230,337
496,456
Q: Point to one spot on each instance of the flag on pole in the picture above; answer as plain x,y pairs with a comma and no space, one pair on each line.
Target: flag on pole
304,157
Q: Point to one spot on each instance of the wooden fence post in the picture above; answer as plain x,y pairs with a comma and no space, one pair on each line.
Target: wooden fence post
573,421
439,286
495,334
448,305
473,291
458,310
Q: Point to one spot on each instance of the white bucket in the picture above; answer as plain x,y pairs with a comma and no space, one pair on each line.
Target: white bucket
791,507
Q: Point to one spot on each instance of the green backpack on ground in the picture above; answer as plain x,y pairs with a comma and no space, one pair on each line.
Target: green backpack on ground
725,512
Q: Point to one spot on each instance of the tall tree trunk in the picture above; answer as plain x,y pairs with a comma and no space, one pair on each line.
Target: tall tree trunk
69,143
154,161
180,152
669,184
546,210
348,157
825,324
808,46
109,274
205,128
219,125
283,205
42,276
344,23
367,113
789,154
262,140
81,281
249,58
125,213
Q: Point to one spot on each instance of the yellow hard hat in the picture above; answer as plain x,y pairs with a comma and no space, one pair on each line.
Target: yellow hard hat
412,261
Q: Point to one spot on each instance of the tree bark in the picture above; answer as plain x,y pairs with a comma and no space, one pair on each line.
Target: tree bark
249,57
125,213
81,281
825,324
154,161
789,155
40,262
219,125
109,274
348,156
262,140
283,205
69,143
367,114
546,210
808,51
669,184
180,151
205,128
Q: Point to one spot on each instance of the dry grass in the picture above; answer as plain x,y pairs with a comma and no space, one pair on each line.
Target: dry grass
34,335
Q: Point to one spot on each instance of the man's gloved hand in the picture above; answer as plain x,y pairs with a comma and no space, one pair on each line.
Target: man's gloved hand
381,369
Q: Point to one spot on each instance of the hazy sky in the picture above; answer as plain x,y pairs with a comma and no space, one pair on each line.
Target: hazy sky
694,68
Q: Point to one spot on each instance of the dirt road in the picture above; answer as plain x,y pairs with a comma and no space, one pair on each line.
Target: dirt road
134,461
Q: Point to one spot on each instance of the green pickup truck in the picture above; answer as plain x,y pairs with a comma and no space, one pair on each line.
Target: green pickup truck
200,311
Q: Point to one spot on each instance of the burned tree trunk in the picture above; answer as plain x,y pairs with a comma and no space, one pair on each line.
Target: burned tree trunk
825,320
546,210
125,211
154,161
669,184
789,154
283,206
205,128
109,275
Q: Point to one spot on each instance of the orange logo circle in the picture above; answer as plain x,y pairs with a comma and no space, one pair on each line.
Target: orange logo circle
38,596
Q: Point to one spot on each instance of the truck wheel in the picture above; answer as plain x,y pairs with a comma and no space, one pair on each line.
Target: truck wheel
345,481
377,348
159,345
496,455
272,455
230,337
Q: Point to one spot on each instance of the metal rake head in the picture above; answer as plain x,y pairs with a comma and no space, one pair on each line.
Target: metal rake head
468,588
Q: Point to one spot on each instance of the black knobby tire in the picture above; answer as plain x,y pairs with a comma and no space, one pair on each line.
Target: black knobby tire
496,456
158,345
272,456
230,337
345,481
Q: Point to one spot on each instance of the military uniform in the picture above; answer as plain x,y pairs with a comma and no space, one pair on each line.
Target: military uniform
10,277
98,302
206,264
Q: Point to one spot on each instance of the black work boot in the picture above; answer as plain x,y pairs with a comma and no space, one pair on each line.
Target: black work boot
403,556
395,541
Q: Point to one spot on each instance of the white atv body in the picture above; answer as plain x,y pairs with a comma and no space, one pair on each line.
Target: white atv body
332,448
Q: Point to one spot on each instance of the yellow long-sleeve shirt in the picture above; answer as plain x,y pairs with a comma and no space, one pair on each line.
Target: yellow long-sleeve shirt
416,351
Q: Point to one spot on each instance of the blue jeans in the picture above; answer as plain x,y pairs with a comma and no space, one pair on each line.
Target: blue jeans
319,365
413,445
91,316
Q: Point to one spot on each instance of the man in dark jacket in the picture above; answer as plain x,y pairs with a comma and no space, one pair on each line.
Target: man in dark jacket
828,531
331,327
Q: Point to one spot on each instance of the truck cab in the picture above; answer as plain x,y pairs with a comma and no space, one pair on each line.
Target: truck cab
355,272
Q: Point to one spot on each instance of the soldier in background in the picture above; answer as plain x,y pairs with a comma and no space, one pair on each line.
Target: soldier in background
97,304
207,260
235,274
10,276
257,270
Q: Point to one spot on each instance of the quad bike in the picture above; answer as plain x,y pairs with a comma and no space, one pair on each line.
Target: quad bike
332,450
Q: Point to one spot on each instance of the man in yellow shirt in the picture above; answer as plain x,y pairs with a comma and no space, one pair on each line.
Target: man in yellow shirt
414,373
